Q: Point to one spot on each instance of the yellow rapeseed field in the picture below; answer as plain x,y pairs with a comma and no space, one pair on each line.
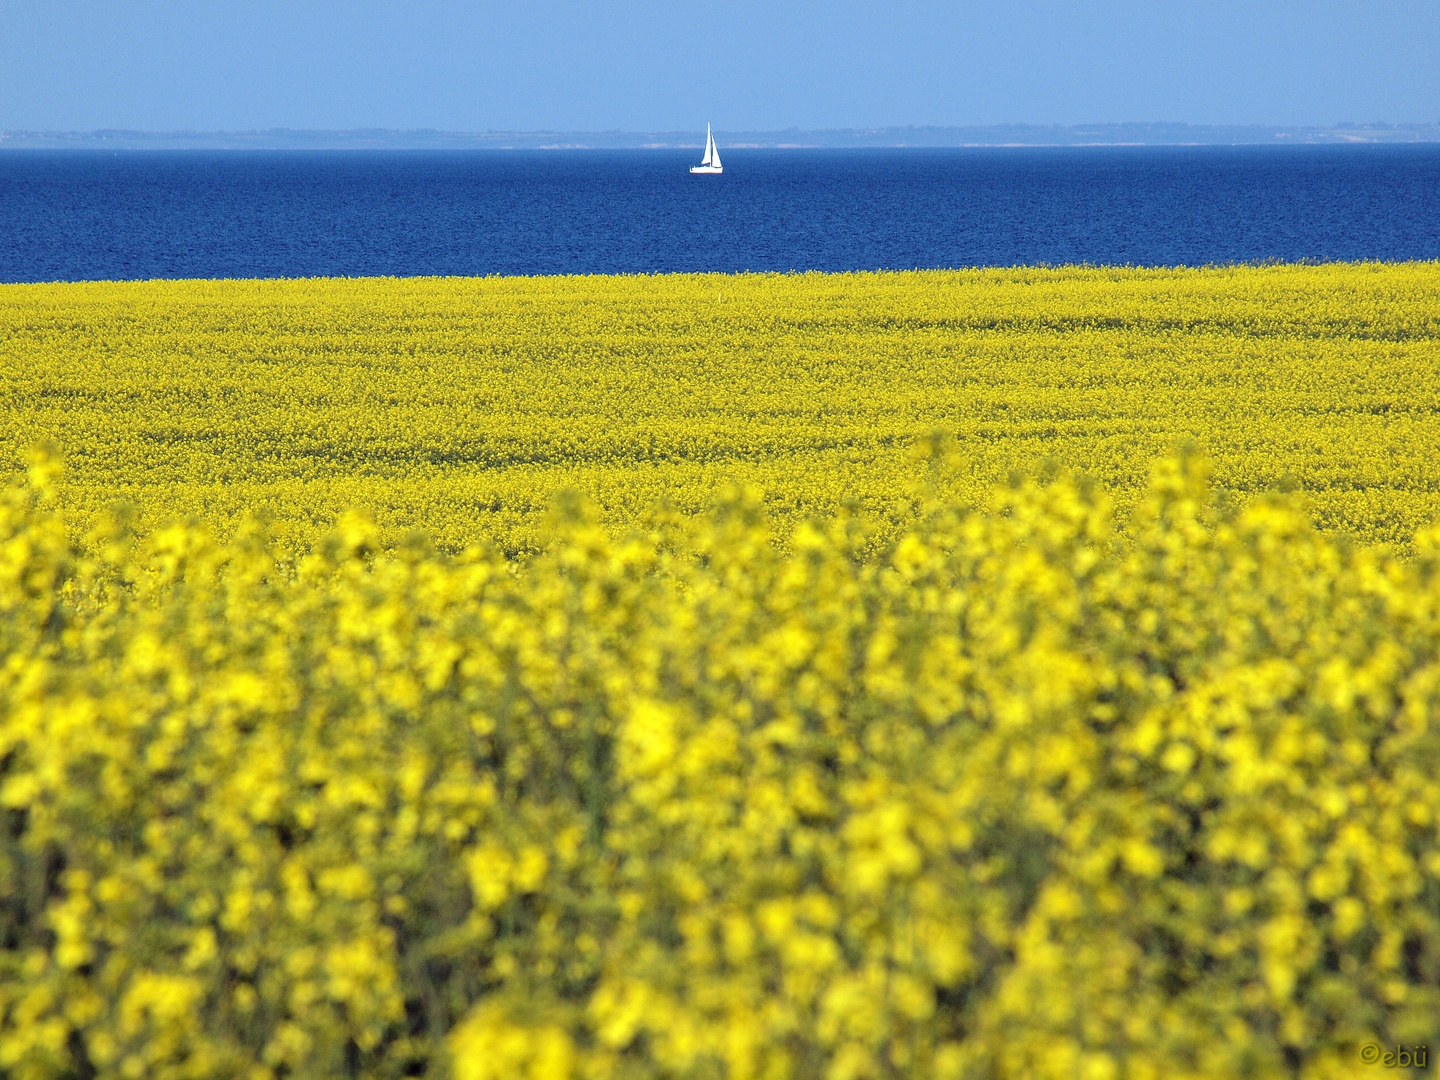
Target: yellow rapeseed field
862,759
1016,800
461,405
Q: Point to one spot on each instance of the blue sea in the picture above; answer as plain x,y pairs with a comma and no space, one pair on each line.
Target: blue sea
78,215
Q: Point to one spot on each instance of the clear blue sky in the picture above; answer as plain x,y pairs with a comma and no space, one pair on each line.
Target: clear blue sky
742,64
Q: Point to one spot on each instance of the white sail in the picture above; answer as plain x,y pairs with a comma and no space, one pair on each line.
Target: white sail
711,162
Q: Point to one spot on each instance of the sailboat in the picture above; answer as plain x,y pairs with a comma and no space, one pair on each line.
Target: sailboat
711,162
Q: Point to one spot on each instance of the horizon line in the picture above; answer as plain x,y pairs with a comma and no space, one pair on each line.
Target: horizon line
1135,133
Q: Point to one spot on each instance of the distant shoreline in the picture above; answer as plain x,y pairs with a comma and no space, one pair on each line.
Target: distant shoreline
1005,135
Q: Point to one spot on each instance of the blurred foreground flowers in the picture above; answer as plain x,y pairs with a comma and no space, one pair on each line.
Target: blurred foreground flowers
1020,798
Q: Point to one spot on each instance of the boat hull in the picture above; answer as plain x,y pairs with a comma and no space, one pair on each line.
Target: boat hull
708,169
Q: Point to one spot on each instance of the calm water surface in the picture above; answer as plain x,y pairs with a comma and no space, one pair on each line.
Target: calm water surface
69,216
